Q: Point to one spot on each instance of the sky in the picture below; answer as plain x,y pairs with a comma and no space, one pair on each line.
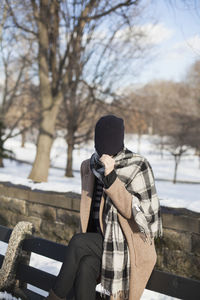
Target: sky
176,37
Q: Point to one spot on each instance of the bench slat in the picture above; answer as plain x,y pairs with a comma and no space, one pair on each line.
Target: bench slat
32,295
38,245
36,277
1,260
40,279
173,285
161,282
5,233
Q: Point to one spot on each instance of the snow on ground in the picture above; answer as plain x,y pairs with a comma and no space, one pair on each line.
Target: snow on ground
174,195
163,167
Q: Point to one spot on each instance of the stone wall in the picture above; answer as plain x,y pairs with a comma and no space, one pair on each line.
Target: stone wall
56,217
179,249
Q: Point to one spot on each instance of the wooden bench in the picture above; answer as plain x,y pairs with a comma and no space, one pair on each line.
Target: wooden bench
162,282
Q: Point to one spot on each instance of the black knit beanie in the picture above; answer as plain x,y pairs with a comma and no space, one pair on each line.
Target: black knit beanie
109,135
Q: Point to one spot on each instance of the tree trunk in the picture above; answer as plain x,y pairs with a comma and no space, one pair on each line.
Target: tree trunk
70,148
177,160
49,103
1,162
199,159
139,143
175,172
39,172
40,169
161,147
23,139
1,142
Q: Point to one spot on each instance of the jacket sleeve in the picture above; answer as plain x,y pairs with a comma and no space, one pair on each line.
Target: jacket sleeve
139,189
121,198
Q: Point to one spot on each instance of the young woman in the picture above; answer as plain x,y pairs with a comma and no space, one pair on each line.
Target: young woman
120,216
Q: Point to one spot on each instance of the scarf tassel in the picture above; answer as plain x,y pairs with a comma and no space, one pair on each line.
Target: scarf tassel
120,295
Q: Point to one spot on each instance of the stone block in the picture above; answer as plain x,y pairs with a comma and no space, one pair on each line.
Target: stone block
195,267
199,226
3,219
57,232
178,262
51,199
41,211
12,204
3,190
4,201
181,222
63,201
68,218
17,192
196,244
177,240
9,218
12,218
76,204
36,196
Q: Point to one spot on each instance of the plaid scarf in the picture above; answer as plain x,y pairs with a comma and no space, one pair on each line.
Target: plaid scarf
115,259
137,175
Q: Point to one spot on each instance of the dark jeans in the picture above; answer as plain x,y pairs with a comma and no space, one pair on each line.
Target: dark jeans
81,267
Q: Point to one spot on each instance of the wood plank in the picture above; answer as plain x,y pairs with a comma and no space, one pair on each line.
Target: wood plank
32,295
37,245
161,282
1,260
45,247
173,285
40,279
5,233
36,277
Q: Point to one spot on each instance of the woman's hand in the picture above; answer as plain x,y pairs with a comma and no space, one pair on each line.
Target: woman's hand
108,162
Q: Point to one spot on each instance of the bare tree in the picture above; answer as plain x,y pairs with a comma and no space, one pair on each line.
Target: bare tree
28,116
65,47
132,107
181,139
14,63
193,80
99,59
40,20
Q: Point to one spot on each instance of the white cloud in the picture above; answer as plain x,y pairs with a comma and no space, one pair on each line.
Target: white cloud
149,34
157,33
187,48
193,44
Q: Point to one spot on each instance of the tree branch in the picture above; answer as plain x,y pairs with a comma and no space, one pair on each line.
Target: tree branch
16,22
112,9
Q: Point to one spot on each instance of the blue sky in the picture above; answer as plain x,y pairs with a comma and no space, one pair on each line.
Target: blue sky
176,37
178,29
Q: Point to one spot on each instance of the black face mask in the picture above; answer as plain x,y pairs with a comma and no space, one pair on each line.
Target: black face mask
109,135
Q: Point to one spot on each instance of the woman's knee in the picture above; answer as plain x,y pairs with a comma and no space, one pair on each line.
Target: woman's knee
89,266
76,240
